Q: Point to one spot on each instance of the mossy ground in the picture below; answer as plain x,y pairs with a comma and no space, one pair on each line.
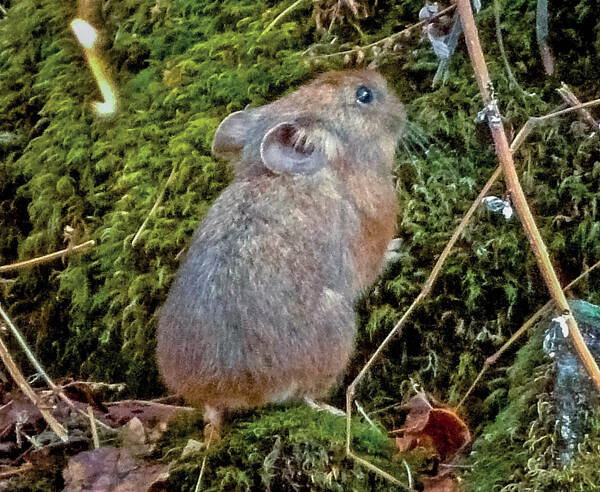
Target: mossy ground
180,67
289,447
519,450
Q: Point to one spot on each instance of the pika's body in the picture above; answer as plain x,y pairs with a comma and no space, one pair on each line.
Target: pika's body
262,307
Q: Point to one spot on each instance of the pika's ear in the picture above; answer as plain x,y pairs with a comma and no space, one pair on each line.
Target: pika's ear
231,134
284,150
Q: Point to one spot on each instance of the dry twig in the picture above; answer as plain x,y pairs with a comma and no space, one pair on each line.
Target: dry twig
279,17
95,439
28,391
40,370
80,248
389,39
158,201
572,100
545,310
518,197
148,403
16,471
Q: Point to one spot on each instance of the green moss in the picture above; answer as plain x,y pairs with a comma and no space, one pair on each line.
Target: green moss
282,448
180,68
519,450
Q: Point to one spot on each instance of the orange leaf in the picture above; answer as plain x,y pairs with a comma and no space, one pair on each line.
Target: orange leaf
438,429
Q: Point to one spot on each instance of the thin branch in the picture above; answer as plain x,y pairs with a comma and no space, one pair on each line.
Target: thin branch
148,403
80,248
365,416
377,470
509,72
545,310
535,121
28,391
158,201
40,370
409,474
279,17
572,100
95,439
16,471
516,191
199,481
390,38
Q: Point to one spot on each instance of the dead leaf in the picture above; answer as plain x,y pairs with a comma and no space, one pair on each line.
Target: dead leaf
437,429
441,484
121,412
111,469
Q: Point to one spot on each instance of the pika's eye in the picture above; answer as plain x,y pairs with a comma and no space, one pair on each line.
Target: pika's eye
364,95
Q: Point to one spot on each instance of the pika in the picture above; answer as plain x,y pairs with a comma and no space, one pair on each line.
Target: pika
262,308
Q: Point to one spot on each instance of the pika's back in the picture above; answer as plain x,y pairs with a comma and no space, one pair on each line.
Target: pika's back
268,273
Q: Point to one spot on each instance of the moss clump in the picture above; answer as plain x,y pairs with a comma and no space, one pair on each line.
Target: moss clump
520,449
282,448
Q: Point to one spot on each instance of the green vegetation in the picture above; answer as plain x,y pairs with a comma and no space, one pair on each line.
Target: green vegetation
281,448
182,65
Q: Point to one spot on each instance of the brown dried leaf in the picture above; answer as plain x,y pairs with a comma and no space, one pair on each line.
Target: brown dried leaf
441,484
111,469
437,429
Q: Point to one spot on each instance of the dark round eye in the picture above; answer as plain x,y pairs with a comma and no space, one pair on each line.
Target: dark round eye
364,95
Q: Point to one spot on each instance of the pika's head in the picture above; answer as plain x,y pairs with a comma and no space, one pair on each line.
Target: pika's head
348,117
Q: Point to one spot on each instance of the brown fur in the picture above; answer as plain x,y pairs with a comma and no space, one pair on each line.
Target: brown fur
262,307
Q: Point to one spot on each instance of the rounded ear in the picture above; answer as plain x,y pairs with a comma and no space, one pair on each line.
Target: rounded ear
230,136
283,151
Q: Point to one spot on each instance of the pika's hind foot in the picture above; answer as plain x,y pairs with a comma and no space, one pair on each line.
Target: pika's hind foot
213,418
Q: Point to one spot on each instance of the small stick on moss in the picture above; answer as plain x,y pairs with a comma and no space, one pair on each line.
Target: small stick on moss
279,17
95,439
80,248
28,391
409,474
40,370
149,403
509,72
96,385
154,208
365,416
535,121
545,310
572,100
16,471
199,481
390,38
518,197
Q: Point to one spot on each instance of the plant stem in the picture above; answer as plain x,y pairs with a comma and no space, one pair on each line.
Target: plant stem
80,248
518,197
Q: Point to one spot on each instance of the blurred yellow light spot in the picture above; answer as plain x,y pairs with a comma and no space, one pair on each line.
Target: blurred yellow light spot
84,33
87,35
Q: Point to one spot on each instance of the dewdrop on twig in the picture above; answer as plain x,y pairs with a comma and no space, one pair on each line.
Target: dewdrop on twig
87,36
